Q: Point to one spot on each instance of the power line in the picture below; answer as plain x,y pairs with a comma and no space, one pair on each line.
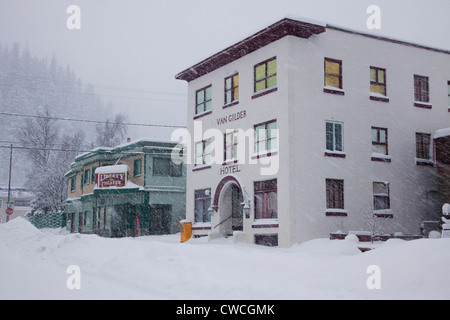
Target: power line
68,150
90,121
107,95
52,144
103,86
45,149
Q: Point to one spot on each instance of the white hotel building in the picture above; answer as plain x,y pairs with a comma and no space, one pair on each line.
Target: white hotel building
355,116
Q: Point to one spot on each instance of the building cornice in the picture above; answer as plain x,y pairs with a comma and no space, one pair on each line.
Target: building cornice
381,38
276,31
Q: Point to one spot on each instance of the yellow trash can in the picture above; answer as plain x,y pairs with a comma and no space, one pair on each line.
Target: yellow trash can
185,230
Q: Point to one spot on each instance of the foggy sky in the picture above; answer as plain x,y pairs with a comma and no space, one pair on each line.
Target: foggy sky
142,44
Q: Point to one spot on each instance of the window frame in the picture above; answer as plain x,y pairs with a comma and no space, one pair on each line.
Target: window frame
73,184
422,91
377,82
93,174
423,151
87,177
377,156
267,76
335,199
266,150
171,168
333,151
203,155
264,189
232,91
329,88
382,212
234,145
137,173
204,102
203,198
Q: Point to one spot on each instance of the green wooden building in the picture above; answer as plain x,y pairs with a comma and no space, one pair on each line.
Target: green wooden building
129,190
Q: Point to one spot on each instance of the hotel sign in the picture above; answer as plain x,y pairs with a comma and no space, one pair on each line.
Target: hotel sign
106,180
232,117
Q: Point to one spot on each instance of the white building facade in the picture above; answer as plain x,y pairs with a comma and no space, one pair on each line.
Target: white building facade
304,129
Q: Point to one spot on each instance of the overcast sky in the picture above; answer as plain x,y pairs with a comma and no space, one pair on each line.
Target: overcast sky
139,45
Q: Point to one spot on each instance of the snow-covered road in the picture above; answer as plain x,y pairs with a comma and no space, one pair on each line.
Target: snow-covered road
33,265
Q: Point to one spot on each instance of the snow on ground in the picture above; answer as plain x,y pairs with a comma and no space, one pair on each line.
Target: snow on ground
33,265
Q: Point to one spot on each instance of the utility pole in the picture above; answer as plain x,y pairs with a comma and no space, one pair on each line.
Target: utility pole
9,185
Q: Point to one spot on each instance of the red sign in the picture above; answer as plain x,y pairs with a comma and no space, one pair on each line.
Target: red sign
9,211
106,180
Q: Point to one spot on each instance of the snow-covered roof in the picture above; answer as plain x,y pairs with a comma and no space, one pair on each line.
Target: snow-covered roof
290,25
143,140
112,169
274,32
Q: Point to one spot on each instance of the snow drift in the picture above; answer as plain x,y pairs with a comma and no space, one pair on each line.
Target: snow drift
34,264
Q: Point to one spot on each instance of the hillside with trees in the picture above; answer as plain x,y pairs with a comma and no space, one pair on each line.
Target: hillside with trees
35,93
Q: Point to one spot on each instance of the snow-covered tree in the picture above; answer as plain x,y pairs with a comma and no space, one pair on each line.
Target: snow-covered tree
50,155
112,132
374,223
29,83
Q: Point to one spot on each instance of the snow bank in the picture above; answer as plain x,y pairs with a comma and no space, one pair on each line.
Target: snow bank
446,209
442,133
34,264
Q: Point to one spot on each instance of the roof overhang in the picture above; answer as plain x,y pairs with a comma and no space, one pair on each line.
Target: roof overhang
278,30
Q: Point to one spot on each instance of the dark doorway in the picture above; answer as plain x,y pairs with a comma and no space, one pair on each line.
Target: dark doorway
160,218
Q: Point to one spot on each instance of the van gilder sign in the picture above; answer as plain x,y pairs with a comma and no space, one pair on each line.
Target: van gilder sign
232,117
106,180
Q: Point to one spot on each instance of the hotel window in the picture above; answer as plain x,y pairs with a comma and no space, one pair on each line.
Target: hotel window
137,167
265,74
378,80
423,146
421,91
381,199
203,100
335,194
87,175
231,89
203,152
202,203
266,199
266,135
334,136
379,140
165,167
231,146
333,73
